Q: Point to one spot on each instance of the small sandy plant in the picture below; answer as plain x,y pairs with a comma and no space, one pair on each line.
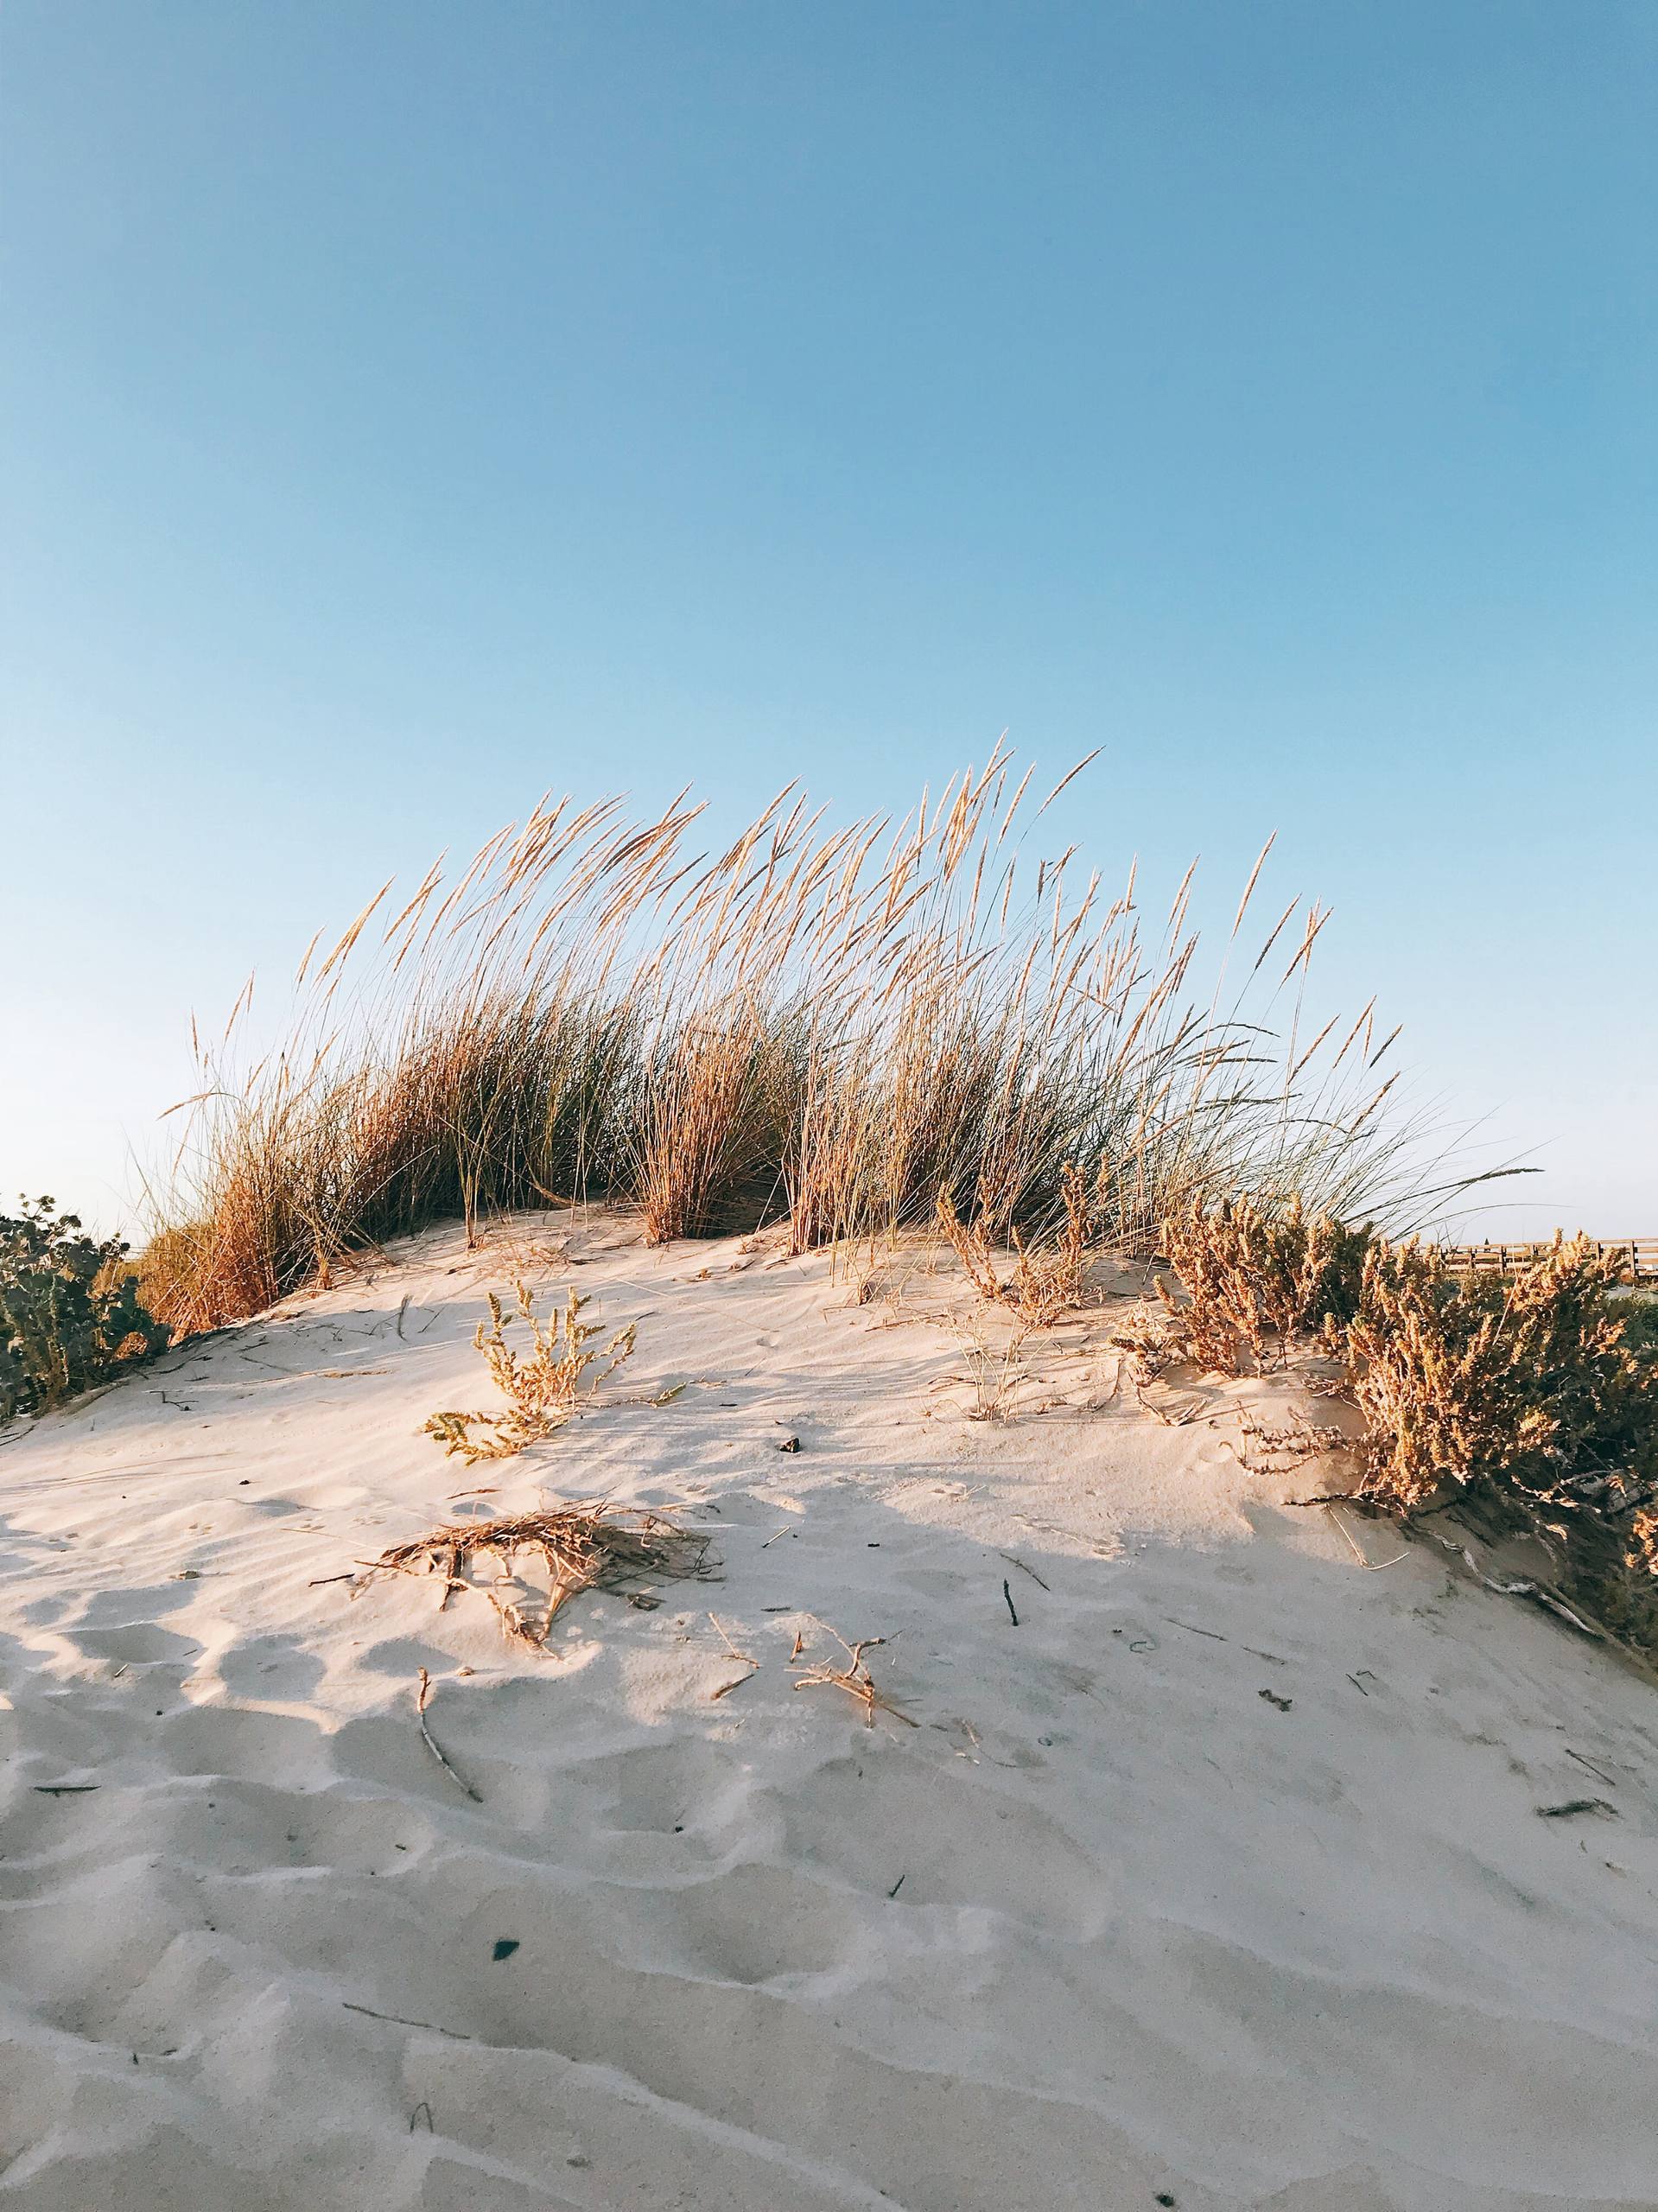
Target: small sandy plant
994,1374
996,1378
1253,1273
1046,1279
544,1387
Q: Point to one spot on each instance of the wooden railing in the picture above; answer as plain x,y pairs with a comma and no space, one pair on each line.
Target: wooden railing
1638,1254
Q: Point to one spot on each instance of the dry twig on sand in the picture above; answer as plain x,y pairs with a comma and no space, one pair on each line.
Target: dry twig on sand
401,2020
1013,1560
583,1547
854,1678
746,1658
430,1742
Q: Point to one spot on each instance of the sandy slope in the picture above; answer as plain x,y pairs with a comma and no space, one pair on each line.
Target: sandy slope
1105,1924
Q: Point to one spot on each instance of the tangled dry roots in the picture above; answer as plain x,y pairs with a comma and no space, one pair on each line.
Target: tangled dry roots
582,1547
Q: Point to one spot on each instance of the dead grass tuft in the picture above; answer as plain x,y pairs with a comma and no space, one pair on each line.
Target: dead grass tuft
582,1547
1047,1280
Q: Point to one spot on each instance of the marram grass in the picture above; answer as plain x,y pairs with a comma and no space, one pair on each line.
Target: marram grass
842,1026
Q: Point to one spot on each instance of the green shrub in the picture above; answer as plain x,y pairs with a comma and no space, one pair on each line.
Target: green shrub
1638,1310
70,1314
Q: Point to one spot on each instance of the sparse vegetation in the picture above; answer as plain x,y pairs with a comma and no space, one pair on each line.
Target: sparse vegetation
70,1314
582,1547
1534,1398
544,1387
994,1374
842,1027
1254,1271
1047,1281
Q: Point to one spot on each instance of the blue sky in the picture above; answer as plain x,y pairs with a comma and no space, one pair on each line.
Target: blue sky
410,407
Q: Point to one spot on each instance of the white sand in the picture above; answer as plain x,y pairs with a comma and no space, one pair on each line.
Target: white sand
1104,1924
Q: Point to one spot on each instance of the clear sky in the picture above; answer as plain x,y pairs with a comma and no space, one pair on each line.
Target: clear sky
406,407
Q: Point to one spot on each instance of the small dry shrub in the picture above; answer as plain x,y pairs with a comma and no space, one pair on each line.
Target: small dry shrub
1047,1280
1643,1554
545,1388
1535,1398
1529,1384
1253,1272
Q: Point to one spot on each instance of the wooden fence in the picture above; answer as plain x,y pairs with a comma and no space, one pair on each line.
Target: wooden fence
1638,1254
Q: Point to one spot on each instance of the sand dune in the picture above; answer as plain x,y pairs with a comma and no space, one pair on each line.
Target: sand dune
1108,1927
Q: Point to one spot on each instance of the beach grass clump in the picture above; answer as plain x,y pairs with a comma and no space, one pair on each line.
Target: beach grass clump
842,1027
715,1111
71,1316
544,1386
